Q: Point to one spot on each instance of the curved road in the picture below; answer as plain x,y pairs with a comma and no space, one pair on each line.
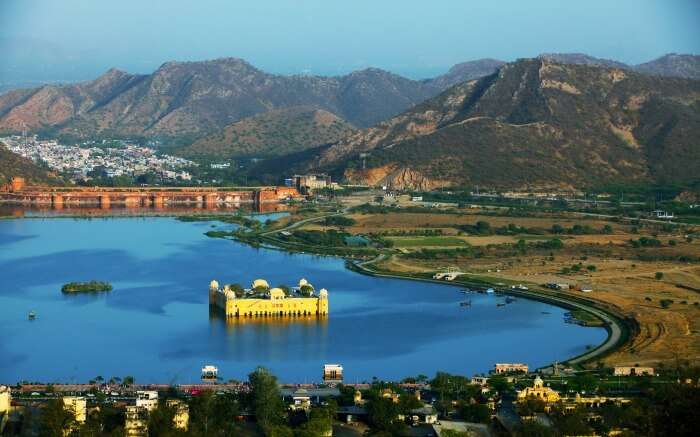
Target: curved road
612,326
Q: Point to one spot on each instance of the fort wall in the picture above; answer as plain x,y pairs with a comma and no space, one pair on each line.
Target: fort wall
17,192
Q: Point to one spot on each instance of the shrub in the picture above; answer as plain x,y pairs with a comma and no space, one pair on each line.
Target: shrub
658,275
591,268
665,303
339,220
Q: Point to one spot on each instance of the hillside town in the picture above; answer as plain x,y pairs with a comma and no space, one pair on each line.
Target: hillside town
108,158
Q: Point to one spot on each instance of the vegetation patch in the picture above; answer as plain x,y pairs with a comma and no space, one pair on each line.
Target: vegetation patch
86,287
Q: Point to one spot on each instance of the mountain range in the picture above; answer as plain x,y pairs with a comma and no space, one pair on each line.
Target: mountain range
466,126
273,133
198,98
533,123
193,99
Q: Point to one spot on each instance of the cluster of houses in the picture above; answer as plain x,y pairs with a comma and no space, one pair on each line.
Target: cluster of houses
303,398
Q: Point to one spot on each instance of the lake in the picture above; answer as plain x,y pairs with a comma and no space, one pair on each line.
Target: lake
156,325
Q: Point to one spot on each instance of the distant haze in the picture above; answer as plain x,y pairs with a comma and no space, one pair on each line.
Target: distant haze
52,40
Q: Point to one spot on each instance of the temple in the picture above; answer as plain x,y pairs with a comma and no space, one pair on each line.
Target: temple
260,300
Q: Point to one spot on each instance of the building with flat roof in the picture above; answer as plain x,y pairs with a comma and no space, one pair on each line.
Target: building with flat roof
136,421
332,373
633,371
76,405
181,413
147,399
5,405
510,368
306,184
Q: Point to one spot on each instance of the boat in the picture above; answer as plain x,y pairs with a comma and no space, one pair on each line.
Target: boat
32,315
465,303
510,299
500,304
489,291
466,291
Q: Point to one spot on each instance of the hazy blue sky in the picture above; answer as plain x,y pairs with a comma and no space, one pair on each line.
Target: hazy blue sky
69,39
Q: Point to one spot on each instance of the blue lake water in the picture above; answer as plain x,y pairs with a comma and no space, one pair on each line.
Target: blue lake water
155,324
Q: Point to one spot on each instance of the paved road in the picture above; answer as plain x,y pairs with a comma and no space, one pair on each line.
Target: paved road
301,223
614,330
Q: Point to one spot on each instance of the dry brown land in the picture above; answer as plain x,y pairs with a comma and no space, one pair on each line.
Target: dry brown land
620,279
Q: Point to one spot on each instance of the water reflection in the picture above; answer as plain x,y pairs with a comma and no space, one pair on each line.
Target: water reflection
8,210
270,338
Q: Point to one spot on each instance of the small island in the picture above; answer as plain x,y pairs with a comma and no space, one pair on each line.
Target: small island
86,287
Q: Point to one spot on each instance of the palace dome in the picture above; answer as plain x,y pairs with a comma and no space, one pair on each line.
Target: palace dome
260,283
214,285
277,293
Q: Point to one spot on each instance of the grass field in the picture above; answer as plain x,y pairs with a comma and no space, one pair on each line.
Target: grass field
587,318
427,241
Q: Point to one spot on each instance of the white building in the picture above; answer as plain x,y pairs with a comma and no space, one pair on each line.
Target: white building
147,399
76,405
332,372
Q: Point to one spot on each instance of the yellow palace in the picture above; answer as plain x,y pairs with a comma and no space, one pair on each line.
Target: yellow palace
262,301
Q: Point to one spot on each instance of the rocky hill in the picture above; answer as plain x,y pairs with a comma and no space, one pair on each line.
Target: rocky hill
534,123
466,71
12,164
671,65
273,133
193,98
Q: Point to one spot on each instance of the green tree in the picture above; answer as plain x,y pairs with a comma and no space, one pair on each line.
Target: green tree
160,422
266,399
500,384
530,428
531,406
473,412
55,420
382,414
408,402
584,382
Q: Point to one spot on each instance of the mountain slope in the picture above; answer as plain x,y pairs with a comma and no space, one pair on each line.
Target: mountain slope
534,123
466,71
184,98
582,59
273,133
672,65
12,164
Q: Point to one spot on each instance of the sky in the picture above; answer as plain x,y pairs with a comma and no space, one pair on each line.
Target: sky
55,40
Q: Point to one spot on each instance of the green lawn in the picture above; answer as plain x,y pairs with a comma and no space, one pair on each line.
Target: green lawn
587,318
427,241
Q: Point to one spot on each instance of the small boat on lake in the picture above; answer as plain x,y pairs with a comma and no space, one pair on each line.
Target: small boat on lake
465,303
510,299
32,315
500,304
489,291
